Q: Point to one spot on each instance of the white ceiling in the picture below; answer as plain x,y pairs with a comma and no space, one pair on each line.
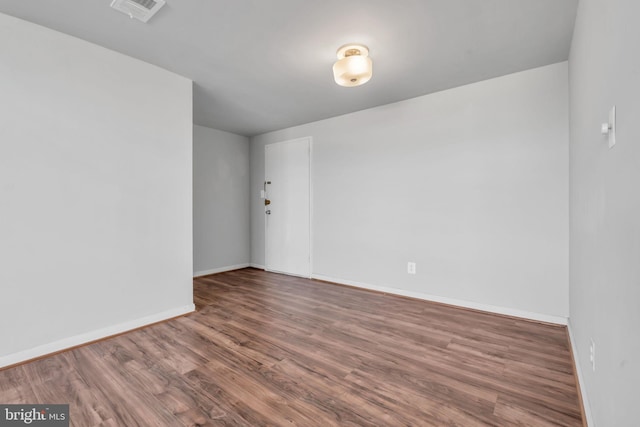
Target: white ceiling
261,65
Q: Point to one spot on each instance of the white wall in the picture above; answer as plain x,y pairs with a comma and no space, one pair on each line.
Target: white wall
605,207
470,183
95,192
221,230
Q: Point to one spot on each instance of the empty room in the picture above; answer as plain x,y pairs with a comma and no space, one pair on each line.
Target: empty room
337,213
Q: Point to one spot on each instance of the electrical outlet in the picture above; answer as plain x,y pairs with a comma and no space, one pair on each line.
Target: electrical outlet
592,354
411,267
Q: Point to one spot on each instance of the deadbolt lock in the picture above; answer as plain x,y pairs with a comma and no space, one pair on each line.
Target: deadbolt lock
267,202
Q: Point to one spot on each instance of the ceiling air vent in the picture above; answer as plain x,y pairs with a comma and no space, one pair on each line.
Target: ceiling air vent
139,9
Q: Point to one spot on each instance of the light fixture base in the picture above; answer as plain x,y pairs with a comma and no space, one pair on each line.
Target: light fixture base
352,49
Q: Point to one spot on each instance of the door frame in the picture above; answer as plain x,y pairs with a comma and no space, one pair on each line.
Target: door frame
310,191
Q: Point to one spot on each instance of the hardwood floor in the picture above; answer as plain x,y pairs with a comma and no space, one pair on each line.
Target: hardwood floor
271,350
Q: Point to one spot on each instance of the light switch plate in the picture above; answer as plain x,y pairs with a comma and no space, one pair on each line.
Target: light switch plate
612,124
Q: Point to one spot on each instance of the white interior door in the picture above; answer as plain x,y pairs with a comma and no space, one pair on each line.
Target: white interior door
287,217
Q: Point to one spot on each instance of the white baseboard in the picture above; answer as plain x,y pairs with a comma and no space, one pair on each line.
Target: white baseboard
258,266
581,383
558,320
67,343
287,273
220,270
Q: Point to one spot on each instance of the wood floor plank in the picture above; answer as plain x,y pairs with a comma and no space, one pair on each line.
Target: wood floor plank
271,350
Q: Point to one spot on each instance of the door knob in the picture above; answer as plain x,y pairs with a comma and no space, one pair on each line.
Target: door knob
268,211
267,202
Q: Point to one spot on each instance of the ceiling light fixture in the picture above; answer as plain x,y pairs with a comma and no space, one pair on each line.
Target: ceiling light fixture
354,67
142,10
